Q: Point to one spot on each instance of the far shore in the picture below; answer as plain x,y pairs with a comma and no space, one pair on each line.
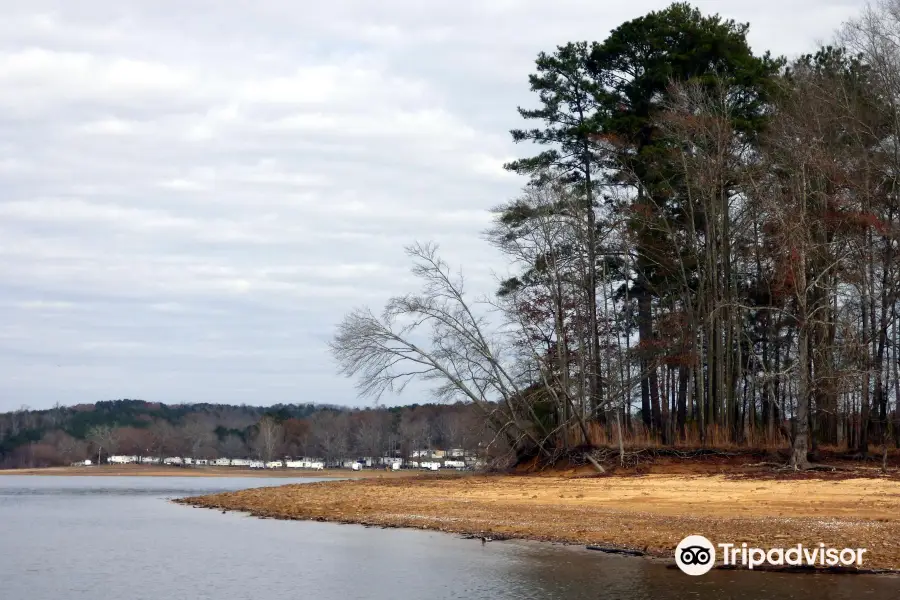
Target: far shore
646,515
203,471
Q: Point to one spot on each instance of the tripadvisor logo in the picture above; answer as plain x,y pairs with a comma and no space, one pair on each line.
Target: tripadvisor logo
696,555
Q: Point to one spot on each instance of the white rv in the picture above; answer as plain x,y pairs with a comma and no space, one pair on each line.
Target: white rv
119,459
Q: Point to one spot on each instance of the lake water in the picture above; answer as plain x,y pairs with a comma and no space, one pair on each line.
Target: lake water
118,538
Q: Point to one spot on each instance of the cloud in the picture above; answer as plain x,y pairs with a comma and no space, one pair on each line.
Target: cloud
195,193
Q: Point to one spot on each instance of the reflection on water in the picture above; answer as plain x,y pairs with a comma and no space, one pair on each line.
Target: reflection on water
117,538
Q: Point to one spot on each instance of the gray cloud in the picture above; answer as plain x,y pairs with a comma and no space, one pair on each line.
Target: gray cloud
194,193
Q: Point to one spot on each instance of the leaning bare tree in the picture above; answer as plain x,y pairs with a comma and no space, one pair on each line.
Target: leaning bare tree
438,335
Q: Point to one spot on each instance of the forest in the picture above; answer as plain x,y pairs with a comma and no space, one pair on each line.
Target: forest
63,435
703,253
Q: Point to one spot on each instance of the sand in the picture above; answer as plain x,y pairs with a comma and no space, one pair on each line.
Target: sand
651,513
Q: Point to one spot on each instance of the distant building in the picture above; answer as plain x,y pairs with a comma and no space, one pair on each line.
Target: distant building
121,459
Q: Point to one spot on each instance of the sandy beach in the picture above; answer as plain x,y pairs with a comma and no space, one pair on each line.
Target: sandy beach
650,513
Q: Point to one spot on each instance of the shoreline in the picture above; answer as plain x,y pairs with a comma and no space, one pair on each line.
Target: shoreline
645,516
205,471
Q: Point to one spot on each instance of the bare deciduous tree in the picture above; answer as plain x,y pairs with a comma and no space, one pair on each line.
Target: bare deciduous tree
436,335
268,439
105,438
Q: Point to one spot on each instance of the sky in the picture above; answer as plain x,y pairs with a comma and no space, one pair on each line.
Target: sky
193,194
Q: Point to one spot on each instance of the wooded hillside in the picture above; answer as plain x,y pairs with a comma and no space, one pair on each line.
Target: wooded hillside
62,435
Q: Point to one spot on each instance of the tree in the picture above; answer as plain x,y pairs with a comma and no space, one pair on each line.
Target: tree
196,437
463,356
135,441
873,38
636,66
296,436
542,234
570,112
268,439
104,437
163,438
451,429
821,207
331,434
415,432
68,449
232,447
371,429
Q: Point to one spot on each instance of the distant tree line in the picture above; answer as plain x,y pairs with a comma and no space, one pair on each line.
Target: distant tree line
705,252
63,435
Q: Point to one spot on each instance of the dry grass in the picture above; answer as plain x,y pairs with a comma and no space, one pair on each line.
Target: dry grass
651,513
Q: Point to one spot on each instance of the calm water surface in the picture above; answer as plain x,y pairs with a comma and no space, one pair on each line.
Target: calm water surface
118,538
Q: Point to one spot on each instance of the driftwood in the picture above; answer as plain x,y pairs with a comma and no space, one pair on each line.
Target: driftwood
614,550
815,467
594,463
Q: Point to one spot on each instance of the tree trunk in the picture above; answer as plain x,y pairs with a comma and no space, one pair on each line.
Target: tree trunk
645,327
681,417
800,446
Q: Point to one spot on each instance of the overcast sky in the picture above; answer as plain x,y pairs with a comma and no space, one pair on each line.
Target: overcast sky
192,193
